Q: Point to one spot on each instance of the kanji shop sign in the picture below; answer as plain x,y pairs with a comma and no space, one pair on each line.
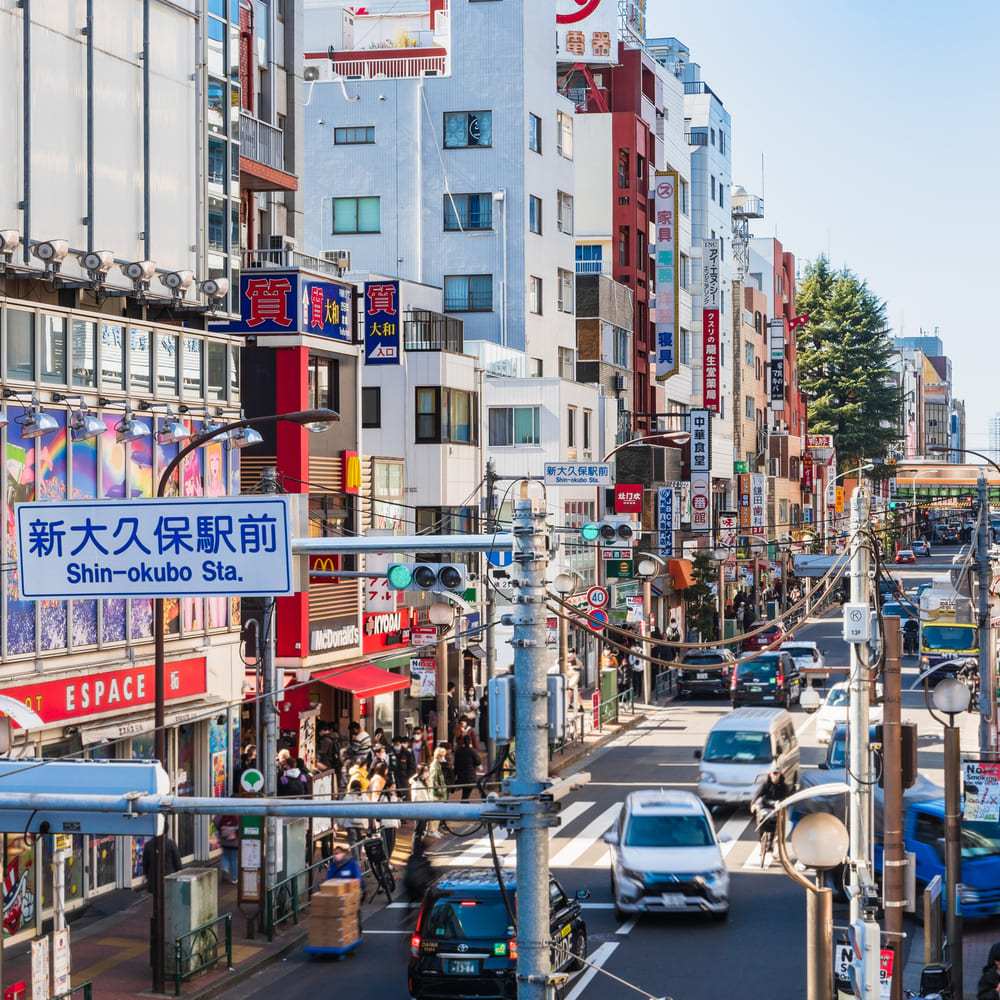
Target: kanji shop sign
154,548
628,499
587,30
381,307
701,441
711,331
667,362
292,302
701,502
83,695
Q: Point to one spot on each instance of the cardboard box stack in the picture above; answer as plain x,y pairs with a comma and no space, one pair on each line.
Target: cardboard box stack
333,920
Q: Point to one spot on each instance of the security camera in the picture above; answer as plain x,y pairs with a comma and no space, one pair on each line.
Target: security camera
215,289
10,240
178,281
52,252
97,263
139,271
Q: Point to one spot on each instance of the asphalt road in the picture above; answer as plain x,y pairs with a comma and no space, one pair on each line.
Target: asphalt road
758,954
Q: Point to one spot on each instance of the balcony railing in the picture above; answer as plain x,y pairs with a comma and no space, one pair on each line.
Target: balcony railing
389,64
429,331
261,142
286,257
593,267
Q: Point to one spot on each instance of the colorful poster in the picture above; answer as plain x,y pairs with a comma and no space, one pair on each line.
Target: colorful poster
981,791
711,331
667,276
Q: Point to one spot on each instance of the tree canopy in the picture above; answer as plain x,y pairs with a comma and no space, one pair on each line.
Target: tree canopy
844,355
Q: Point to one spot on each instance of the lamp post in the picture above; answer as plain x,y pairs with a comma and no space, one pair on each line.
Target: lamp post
987,665
312,420
442,614
647,568
951,696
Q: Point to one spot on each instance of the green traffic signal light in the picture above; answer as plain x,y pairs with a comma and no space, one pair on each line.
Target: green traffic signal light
399,576
591,532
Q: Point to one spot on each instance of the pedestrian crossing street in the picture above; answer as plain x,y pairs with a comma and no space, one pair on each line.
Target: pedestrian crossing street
578,843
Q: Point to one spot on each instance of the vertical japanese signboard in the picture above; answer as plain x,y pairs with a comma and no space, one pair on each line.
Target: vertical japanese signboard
667,362
587,30
744,486
701,441
381,322
711,298
701,501
666,518
758,504
807,472
777,338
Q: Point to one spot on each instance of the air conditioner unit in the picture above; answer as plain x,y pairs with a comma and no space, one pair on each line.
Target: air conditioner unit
339,258
774,467
310,73
621,383
622,403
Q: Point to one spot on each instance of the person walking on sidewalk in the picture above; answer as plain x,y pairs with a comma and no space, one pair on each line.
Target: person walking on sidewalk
988,987
171,859
467,763
420,792
438,785
228,827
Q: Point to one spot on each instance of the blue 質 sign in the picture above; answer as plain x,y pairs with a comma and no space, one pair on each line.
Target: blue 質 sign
154,548
381,322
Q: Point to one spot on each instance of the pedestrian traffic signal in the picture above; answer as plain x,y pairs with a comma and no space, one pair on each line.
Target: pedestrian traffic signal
609,532
426,576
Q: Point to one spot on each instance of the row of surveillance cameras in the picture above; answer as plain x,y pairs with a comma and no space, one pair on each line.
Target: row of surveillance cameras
97,263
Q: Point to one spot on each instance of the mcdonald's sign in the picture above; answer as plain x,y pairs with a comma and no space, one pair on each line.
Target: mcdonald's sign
350,463
324,564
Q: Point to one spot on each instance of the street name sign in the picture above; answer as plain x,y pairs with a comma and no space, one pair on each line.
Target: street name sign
169,547
577,473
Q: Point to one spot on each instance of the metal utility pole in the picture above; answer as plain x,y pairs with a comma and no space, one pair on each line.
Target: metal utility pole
858,756
953,849
531,706
892,811
269,758
491,601
987,673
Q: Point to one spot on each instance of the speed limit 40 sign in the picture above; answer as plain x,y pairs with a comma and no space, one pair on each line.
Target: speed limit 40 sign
598,597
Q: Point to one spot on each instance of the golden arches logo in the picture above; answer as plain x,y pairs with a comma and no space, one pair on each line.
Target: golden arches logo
351,461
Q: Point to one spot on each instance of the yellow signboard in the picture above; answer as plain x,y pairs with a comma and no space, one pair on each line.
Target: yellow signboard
838,505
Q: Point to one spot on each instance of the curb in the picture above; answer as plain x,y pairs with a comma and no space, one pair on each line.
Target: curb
585,750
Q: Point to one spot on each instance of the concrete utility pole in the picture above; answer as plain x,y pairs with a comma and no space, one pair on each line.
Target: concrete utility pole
987,672
892,811
858,756
491,601
269,758
531,705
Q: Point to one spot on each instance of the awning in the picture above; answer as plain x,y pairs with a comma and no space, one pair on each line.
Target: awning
477,651
682,572
137,724
363,682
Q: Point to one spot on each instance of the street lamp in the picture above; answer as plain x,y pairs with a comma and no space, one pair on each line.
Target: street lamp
952,697
647,568
441,614
314,421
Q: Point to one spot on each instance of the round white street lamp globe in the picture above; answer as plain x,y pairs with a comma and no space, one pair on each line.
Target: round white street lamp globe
951,696
820,841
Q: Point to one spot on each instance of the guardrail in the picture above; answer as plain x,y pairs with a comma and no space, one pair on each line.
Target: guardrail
289,897
199,949
86,987
666,684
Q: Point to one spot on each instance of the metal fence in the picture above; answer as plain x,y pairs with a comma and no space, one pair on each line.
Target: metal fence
287,899
198,949
84,987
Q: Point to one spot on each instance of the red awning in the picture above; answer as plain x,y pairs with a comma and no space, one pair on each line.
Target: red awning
363,682
682,571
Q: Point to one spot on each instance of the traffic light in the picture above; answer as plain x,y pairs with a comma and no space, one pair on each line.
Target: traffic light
426,576
609,532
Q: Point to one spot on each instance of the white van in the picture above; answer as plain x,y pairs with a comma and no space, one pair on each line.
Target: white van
741,749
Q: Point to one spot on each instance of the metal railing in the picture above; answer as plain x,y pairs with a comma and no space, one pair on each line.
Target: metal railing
291,896
86,987
199,949
666,684
580,720
286,257
261,142
424,330
384,64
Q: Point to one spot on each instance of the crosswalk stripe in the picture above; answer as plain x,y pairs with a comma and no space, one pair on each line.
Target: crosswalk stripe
595,961
580,843
734,828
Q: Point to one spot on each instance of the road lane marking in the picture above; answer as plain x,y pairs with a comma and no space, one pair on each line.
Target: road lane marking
627,926
734,827
595,961
582,842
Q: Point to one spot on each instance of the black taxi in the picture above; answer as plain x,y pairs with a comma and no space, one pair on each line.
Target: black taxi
465,945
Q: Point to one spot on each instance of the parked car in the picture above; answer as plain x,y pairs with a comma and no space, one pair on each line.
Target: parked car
768,679
665,856
768,637
705,672
905,556
464,944
833,712
921,547
809,658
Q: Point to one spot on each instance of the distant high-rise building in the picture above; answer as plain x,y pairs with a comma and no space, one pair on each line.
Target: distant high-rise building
994,438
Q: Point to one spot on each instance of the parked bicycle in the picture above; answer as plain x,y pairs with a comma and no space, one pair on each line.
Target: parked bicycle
378,867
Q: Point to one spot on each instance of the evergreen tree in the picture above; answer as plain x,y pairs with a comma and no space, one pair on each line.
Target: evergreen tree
844,354
701,603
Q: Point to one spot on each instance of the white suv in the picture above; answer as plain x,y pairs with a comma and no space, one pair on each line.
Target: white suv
665,856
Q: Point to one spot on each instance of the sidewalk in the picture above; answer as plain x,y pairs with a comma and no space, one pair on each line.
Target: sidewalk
977,937
109,940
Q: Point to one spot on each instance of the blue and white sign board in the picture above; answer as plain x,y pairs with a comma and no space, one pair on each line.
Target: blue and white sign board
500,557
667,516
578,474
206,547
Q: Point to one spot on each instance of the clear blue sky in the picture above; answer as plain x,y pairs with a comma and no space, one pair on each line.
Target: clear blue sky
878,127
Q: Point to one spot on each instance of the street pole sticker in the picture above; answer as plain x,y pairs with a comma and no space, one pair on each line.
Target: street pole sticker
155,548
982,791
843,956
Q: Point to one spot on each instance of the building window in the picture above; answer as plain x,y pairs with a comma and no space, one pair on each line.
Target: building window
468,128
712,133
570,426
83,353
748,406
324,383
623,241
535,214
684,272
371,406
20,344
192,378
565,279
354,136
468,211
356,215
722,190
53,366
641,247
713,187
564,134
535,295
564,221
534,133
682,196
514,425
640,171
446,416
567,368
621,355
216,360
535,367
589,258
623,178
587,419
722,142
684,347
468,292
748,352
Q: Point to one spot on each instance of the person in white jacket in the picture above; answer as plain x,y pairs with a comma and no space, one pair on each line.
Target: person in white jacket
420,792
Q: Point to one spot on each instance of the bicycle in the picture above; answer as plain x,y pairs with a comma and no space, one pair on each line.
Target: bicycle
378,865
766,825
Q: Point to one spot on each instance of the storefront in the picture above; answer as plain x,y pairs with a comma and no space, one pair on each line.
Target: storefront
108,714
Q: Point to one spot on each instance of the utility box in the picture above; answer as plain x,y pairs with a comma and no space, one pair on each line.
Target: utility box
609,695
191,899
296,832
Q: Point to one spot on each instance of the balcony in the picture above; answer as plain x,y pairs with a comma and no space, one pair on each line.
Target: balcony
262,157
593,267
424,330
284,258
390,64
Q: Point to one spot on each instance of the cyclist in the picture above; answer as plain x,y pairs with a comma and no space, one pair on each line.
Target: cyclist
771,791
